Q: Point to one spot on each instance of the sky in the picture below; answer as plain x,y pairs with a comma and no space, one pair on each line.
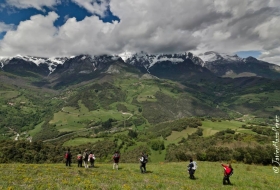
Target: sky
50,28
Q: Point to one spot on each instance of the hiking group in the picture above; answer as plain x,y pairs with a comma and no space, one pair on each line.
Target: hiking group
87,158
228,171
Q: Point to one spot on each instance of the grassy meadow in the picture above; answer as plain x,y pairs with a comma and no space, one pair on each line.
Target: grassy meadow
210,128
159,176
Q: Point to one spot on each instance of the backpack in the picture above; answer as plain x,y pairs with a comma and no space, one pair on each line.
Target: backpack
91,157
79,157
85,156
229,171
145,160
194,165
116,156
66,155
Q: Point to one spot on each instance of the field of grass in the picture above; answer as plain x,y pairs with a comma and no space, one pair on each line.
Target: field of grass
80,140
9,94
159,176
210,128
71,119
177,136
37,129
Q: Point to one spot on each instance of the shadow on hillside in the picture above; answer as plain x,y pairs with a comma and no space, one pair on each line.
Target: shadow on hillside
194,178
148,172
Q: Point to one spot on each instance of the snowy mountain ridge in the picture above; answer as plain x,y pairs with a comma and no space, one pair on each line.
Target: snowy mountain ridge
52,62
209,60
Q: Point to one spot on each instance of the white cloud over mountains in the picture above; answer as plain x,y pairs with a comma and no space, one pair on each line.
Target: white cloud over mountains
156,26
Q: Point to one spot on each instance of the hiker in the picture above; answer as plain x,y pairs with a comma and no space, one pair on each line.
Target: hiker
68,157
191,168
91,159
80,159
85,158
143,161
228,171
116,159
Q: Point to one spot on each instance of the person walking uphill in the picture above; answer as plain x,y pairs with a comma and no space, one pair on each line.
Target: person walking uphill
143,161
116,158
68,157
191,168
228,171
80,159
85,158
91,159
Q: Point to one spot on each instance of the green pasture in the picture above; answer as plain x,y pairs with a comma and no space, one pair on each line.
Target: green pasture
36,129
80,141
159,175
210,128
176,136
259,97
71,119
9,94
131,108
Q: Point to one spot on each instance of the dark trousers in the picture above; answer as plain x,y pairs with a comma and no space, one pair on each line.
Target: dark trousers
226,179
68,162
80,163
191,172
143,167
91,163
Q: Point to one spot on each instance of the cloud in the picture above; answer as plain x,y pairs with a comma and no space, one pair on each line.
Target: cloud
32,37
94,6
37,4
6,27
155,26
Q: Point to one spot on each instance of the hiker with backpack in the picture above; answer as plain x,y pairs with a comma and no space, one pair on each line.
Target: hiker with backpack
91,159
228,171
143,161
85,158
67,157
80,159
191,168
116,159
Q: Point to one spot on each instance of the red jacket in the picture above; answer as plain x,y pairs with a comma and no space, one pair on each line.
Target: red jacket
227,169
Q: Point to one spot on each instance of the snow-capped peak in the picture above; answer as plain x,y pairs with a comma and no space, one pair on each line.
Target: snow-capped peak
52,62
126,55
148,60
4,61
212,56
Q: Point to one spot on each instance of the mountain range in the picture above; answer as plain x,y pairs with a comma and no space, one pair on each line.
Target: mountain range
89,90
180,66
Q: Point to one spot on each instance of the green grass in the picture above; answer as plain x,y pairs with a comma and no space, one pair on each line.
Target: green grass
36,130
9,94
159,176
176,136
210,128
71,119
80,141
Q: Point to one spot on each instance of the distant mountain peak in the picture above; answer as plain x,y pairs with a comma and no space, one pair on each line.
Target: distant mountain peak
125,55
52,62
212,56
